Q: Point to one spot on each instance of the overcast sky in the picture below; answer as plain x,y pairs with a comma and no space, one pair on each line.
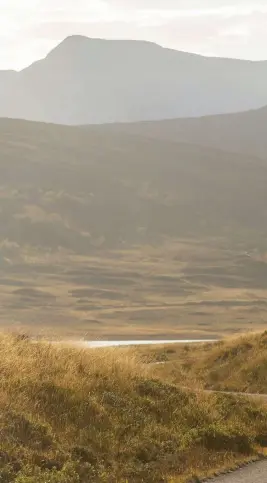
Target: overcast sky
231,28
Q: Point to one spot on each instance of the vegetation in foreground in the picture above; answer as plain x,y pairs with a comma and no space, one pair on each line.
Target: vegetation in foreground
235,364
72,416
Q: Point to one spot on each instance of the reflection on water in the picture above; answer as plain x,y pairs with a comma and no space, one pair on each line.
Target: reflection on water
117,343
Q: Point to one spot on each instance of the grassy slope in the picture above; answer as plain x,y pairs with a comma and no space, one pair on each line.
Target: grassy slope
78,189
243,132
238,364
98,416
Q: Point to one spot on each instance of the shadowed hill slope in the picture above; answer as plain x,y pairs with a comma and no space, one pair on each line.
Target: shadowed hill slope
85,81
69,187
244,132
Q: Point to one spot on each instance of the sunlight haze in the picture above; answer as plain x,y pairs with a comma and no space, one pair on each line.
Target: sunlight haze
30,29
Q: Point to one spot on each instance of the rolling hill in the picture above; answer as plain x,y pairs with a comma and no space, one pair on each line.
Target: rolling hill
235,364
244,132
73,416
107,233
85,81
71,187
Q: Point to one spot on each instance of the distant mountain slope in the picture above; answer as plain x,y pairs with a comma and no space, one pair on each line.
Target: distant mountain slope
98,81
70,187
244,132
114,233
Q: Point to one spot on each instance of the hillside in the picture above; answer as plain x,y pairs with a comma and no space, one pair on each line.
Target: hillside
70,416
105,234
73,188
237,364
244,132
84,81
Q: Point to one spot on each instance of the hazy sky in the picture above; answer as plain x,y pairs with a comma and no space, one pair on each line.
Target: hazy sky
232,28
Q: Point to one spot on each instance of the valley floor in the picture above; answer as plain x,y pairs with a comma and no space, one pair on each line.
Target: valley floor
201,290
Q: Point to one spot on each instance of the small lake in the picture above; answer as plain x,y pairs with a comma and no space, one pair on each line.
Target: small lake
120,343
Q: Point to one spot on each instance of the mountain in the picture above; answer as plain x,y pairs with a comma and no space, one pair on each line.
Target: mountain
244,133
85,81
71,187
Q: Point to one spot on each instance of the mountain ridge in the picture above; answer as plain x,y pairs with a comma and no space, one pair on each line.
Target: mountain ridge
71,39
95,81
242,132
149,183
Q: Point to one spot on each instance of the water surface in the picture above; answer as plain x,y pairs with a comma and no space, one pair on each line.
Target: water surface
119,343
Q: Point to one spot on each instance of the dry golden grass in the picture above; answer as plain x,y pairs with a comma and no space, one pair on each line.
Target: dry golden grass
76,416
237,364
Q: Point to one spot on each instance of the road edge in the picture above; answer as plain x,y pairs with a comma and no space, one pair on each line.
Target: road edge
227,471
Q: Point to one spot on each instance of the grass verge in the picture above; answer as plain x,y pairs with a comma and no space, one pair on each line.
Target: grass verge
73,416
234,364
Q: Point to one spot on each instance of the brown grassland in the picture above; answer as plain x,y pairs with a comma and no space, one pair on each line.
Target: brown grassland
199,289
118,236
234,364
110,234
79,416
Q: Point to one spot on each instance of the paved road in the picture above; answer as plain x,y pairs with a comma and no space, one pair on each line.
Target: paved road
254,473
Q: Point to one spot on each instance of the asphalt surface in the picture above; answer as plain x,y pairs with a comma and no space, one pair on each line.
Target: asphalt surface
254,473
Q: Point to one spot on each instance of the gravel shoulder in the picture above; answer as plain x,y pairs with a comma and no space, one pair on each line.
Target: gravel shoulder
254,473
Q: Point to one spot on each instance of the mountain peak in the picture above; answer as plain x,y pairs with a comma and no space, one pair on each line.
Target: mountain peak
87,80
82,38
77,49
74,42
75,39
70,42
